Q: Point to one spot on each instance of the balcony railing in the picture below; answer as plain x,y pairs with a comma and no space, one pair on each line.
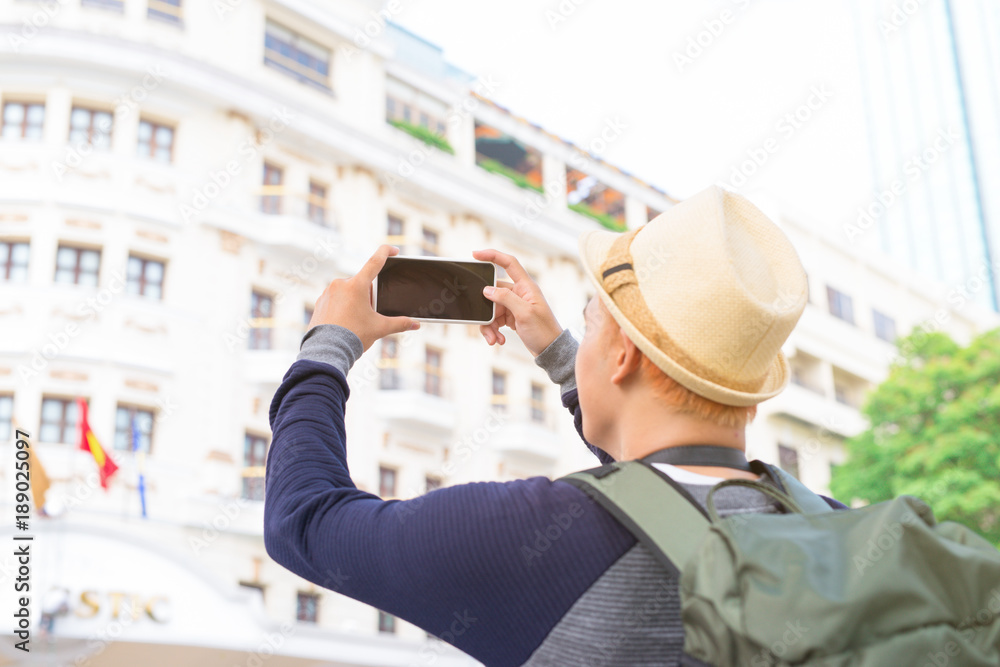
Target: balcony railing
525,411
395,375
282,200
415,396
253,483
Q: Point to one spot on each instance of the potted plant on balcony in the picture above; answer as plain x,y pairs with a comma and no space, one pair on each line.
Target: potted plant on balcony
585,209
424,134
495,167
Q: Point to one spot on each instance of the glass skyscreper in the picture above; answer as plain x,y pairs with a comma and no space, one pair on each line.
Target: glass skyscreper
930,71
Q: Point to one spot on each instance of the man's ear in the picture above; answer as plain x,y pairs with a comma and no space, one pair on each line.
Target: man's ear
625,356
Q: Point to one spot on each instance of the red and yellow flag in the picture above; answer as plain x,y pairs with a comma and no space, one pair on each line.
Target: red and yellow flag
88,443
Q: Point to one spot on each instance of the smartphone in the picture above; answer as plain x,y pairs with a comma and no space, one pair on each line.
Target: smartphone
435,289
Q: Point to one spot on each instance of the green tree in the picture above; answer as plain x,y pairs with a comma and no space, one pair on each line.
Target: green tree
934,434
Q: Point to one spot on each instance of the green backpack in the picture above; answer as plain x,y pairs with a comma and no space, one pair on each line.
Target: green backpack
879,585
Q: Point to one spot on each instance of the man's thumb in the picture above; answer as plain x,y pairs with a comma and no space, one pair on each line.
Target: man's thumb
506,298
400,324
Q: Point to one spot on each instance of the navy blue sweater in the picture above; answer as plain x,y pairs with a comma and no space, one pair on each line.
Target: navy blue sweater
489,567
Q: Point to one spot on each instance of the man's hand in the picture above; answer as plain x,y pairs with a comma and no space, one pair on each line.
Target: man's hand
520,305
348,302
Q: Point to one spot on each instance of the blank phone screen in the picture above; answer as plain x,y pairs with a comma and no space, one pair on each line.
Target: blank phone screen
436,289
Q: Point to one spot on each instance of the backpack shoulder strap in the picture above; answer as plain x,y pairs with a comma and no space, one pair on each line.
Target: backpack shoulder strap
658,511
809,501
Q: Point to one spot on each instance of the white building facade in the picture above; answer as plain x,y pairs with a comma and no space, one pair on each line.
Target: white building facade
179,181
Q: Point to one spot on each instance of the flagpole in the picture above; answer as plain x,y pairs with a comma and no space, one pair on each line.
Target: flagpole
140,459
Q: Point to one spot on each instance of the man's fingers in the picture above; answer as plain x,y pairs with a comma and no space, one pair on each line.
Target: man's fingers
376,262
508,262
490,331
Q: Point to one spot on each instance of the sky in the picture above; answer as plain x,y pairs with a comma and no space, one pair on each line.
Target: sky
762,96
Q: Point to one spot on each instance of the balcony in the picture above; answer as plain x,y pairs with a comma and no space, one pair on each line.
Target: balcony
845,346
415,396
813,409
292,206
527,432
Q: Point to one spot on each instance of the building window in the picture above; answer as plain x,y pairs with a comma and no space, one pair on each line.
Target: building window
885,326
270,200
431,483
394,230
588,196
126,429
113,5
23,120
6,417
389,364
144,277
537,402
165,10
261,306
499,391
89,126
296,56
499,153
651,213
156,141
848,389
317,203
432,371
306,607
798,375
77,266
386,622
788,460
841,305
58,420
430,246
13,262
386,482
254,458
807,372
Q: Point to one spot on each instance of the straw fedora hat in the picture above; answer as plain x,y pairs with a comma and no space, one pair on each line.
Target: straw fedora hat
708,290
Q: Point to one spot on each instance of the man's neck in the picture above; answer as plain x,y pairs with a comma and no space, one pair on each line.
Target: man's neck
641,436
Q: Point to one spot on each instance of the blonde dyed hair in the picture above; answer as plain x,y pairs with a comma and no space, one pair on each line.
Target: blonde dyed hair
683,400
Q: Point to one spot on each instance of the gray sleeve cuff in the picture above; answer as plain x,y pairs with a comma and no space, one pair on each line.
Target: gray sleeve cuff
558,360
332,344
